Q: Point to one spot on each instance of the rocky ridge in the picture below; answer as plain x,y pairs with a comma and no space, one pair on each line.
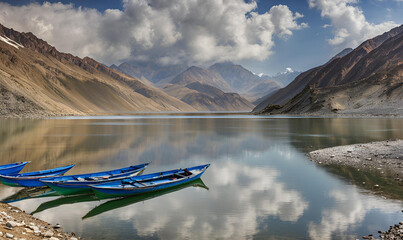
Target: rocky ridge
239,78
367,80
203,76
205,97
37,80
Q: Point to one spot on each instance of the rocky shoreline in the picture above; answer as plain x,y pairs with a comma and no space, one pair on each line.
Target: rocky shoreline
384,158
395,232
48,114
335,115
18,225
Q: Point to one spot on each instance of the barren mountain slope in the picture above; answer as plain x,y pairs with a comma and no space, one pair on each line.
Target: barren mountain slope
153,72
261,89
128,70
204,97
197,74
239,78
339,71
36,79
374,85
367,81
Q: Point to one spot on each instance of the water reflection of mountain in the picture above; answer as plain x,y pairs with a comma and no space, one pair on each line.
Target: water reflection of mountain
261,185
369,179
311,134
242,195
51,143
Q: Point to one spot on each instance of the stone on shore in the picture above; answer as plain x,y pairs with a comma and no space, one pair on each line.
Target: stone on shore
386,157
48,234
19,225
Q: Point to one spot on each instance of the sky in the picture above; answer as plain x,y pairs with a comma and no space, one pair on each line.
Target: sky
264,36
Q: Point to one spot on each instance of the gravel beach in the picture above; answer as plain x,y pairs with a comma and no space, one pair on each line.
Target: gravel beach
385,157
17,225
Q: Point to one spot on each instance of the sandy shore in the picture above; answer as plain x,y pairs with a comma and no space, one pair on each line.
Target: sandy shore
18,225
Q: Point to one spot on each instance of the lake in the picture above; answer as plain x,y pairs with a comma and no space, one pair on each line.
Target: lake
260,184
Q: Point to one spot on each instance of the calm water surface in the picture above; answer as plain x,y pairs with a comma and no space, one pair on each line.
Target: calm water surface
260,184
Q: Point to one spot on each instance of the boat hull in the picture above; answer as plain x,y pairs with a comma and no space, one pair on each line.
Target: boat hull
69,189
13,168
31,179
82,187
102,191
23,182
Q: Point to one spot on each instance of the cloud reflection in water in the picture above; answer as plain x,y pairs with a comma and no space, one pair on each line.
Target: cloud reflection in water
239,196
261,184
348,211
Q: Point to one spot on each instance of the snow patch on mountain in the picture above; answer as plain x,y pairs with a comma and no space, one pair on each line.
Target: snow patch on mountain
288,70
11,42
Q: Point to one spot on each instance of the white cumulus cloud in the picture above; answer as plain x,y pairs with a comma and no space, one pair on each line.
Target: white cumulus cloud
348,22
167,32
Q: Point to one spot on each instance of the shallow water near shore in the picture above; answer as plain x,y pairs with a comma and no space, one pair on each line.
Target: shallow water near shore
260,184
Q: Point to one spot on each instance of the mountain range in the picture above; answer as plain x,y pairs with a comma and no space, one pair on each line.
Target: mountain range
205,97
36,79
206,91
154,73
203,89
284,78
204,76
366,80
227,77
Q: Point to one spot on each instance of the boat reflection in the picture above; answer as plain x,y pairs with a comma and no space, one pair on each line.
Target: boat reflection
262,186
65,200
29,193
122,202
115,203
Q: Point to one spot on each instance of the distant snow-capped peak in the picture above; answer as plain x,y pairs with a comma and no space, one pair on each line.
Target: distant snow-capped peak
259,74
288,70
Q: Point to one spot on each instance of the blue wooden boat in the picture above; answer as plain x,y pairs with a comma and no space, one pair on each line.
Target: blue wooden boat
12,168
149,182
31,179
75,184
